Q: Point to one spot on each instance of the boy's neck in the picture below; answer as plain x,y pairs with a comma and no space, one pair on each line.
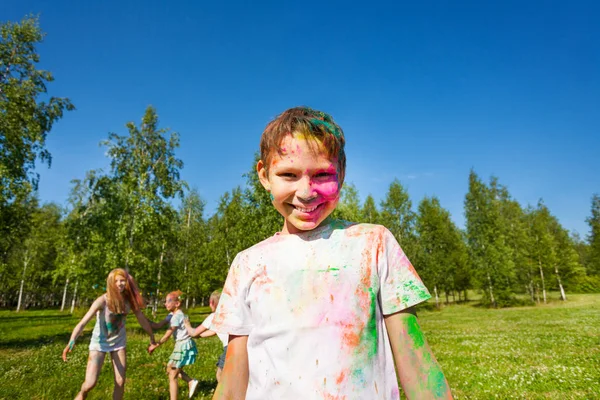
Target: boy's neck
325,222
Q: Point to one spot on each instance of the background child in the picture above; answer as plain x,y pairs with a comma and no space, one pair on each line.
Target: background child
203,330
185,351
324,308
108,336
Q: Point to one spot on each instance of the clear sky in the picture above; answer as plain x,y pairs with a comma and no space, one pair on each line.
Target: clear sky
424,92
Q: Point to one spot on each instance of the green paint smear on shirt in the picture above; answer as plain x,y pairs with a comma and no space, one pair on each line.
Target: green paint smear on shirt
412,287
414,331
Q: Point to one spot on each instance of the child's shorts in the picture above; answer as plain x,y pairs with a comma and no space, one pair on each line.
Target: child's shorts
183,354
221,361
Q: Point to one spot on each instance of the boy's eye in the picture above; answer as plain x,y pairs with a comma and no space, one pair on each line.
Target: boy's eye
287,174
325,175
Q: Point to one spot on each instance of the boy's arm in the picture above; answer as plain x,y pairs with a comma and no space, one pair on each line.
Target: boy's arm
208,333
418,371
193,332
234,378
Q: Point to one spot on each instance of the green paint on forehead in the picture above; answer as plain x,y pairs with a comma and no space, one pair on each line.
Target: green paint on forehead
414,331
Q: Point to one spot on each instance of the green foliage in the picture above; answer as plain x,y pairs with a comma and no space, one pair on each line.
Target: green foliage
443,259
397,215
593,261
25,120
490,254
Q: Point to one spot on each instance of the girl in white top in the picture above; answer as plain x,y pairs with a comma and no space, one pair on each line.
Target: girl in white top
110,309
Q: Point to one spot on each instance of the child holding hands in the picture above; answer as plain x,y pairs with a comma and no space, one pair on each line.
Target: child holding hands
185,351
324,309
111,309
203,330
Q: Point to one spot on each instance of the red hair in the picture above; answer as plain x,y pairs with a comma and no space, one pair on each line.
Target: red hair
117,301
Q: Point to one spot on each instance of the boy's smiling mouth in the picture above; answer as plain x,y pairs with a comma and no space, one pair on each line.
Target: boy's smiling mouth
306,209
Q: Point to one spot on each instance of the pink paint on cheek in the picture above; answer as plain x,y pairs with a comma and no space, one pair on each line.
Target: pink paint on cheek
328,190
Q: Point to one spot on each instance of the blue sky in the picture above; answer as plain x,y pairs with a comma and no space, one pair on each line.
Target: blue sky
424,92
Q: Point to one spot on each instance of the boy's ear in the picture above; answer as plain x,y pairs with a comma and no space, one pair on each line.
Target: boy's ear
261,170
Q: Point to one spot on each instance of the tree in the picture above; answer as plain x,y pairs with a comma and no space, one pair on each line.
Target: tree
27,115
397,215
369,212
491,257
348,208
145,175
443,254
593,260
38,253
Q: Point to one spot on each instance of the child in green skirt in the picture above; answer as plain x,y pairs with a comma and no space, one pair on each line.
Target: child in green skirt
185,351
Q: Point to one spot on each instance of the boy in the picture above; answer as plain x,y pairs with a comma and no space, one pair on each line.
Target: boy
203,330
323,309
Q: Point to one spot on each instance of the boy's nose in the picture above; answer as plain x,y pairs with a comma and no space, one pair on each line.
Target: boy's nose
305,190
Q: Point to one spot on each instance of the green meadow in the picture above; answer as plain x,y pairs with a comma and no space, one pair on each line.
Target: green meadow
544,352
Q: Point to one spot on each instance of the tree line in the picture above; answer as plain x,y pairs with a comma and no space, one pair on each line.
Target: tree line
58,255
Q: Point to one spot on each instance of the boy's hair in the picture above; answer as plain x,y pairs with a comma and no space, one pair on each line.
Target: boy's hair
131,294
215,297
315,125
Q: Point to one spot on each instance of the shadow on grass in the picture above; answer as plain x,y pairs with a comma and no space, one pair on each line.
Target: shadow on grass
205,386
44,340
29,316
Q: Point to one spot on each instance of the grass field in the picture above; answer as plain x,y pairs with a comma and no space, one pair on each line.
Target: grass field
545,352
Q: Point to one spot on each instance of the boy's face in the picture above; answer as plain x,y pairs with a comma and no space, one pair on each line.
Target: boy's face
303,182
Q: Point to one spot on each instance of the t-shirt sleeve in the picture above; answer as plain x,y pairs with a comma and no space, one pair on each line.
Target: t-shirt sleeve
208,320
400,285
176,320
233,315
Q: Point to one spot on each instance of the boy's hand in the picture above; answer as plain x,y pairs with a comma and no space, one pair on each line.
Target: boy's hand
186,322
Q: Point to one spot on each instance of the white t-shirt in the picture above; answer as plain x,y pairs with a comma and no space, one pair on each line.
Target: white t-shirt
206,323
312,305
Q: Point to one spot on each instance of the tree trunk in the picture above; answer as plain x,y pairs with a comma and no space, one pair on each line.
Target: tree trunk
74,296
64,297
155,306
563,296
185,267
492,299
537,292
25,262
543,282
437,299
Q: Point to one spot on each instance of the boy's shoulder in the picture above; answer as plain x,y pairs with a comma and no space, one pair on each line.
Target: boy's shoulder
335,229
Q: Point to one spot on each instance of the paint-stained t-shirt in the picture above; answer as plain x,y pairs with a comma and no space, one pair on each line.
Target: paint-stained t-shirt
312,305
176,322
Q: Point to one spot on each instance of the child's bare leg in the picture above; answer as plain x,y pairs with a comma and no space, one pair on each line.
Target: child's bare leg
173,376
184,376
119,362
219,371
92,372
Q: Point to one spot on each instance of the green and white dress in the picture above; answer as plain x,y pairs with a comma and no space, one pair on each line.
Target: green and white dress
109,332
185,351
